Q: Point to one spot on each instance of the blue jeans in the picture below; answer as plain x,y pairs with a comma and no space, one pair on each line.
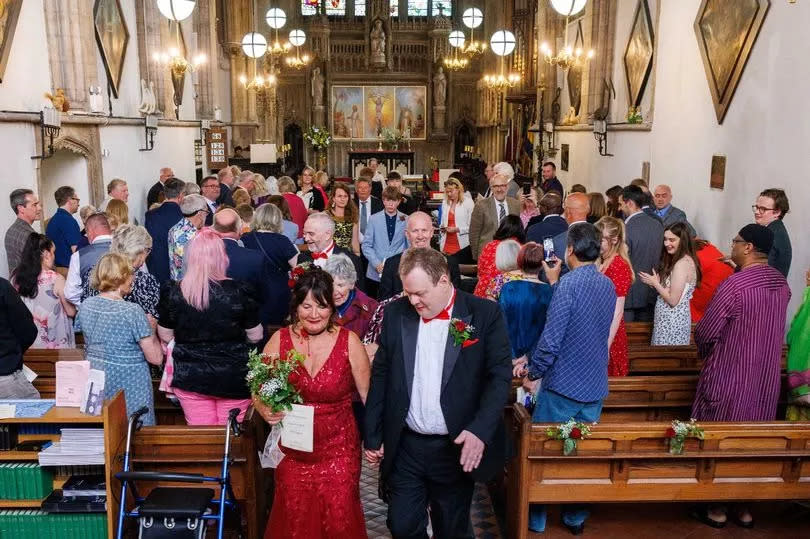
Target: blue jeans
552,407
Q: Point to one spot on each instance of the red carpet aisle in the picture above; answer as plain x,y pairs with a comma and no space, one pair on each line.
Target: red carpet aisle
483,516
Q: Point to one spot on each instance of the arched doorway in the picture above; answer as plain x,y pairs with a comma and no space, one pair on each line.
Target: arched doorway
294,136
63,168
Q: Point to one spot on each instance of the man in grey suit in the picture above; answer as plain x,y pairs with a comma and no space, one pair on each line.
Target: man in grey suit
645,240
489,212
669,214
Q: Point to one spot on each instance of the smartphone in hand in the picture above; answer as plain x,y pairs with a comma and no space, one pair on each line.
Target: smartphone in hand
548,252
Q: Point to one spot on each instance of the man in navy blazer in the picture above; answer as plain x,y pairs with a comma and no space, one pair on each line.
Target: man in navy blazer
158,222
243,264
550,222
385,235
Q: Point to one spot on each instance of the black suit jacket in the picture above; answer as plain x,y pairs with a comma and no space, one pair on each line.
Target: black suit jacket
476,381
153,194
225,196
546,228
376,204
245,265
306,256
391,284
157,223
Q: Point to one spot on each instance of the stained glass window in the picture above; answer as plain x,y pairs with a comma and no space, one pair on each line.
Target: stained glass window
394,8
359,8
333,7
417,8
447,8
308,7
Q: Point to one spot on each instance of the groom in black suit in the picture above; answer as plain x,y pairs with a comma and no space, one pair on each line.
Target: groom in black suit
434,413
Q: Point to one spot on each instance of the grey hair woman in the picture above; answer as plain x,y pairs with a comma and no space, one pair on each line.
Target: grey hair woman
353,308
506,255
267,218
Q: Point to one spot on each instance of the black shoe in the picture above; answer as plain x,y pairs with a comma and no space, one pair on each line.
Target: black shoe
735,518
575,530
701,514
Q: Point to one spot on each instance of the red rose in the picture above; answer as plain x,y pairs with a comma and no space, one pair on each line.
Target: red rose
460,326
291,283
298,271
670,432
576,433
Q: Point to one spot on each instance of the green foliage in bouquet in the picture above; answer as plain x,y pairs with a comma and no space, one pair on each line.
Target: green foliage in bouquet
269,379
319,137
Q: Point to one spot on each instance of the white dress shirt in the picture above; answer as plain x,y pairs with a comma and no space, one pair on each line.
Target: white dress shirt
328,252
425,413
363,207
73,282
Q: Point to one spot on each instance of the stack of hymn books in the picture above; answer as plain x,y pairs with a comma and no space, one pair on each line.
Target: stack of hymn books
76,446
24,481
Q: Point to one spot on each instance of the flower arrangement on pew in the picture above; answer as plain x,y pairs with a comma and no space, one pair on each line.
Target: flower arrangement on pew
679,432
569,432
269,379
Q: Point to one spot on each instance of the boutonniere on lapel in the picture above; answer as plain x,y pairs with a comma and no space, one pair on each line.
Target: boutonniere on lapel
461,332
402,217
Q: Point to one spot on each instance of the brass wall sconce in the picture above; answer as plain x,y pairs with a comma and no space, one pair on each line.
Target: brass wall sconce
50,124
150,123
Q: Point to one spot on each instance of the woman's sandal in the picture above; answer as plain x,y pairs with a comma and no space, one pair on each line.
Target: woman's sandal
701,514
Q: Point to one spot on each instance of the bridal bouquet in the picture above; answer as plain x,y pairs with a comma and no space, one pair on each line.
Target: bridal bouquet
269,379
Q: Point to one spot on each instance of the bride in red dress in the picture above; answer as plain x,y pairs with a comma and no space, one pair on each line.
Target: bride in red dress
317,495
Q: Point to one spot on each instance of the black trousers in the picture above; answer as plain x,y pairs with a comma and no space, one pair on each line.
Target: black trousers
427,473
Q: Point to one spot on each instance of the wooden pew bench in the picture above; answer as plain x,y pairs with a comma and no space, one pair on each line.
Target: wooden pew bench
197,449
630,462
655,360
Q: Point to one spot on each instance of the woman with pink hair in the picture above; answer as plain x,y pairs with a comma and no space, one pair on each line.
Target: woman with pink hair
214,322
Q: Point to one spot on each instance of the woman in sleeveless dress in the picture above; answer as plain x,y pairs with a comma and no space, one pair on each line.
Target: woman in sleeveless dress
677,276
614,262
344,213
318,493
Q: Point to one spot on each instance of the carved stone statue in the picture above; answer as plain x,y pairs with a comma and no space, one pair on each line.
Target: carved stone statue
439,88
317,87
378,43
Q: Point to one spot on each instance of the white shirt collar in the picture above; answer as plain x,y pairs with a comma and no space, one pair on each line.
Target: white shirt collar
102,237
551,215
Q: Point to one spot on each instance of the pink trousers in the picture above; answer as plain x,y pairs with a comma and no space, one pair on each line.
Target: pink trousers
202,409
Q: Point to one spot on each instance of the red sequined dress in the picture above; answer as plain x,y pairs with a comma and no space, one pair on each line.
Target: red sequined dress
317,495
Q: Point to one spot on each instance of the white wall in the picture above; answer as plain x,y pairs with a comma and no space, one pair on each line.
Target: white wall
27,76
64,168
764,135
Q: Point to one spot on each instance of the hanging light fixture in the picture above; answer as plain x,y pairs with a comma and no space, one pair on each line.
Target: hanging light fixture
454,62
276,18
568,56
298,37
254,45
503,44
472,19
176,10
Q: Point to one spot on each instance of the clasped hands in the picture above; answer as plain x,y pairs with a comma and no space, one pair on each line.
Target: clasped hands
652,280
472,450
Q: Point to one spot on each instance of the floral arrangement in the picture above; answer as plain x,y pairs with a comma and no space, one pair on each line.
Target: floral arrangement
634,115
569,432
319,137
679,432
269,379
461,332
392,137
297,272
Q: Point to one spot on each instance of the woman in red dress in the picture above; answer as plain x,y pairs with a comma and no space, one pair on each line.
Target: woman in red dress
317,494
510,228
614,262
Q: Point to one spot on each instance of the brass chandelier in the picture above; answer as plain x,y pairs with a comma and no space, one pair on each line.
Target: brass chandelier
455,62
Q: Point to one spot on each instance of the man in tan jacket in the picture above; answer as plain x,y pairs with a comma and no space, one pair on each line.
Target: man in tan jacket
489,212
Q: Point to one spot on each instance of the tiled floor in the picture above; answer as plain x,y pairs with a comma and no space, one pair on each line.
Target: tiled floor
613,521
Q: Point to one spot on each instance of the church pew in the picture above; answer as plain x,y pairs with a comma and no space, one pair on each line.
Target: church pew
630,462
199,449
670,360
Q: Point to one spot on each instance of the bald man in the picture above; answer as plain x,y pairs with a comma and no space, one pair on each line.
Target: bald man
154,192
418,233
243,264
669,214
575,210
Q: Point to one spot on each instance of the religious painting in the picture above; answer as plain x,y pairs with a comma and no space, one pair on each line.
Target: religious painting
717,180
564,156
410,111
575,74
380,110
726,32
638,55
9,12
112,37
347,112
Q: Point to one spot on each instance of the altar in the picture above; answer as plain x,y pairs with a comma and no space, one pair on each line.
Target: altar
400,160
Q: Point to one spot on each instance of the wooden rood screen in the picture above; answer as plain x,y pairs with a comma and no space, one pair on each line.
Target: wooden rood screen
624,462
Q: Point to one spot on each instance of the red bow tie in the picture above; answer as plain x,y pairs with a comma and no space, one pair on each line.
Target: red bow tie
316,256
444,315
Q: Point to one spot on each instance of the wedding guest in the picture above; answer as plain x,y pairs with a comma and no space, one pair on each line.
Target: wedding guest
83,260
528,206
17,333
42,289
335,365
310,196
298,212
118,338
645,239
713,271
550,181
614,262
135,244
614,206
678,274
117,189
454,223
158,222
279,255
384,237
84,213
367,204
154,192
261,191
798,360
344,213
26,207
740,341
353,307
506,263
550,222
407,204
489,213
195,212
245,212
214,322
288,227
241,196
322,184
62,229
225,177
770,210
524,303
578,188
596,201
510,228
669,214
319,233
